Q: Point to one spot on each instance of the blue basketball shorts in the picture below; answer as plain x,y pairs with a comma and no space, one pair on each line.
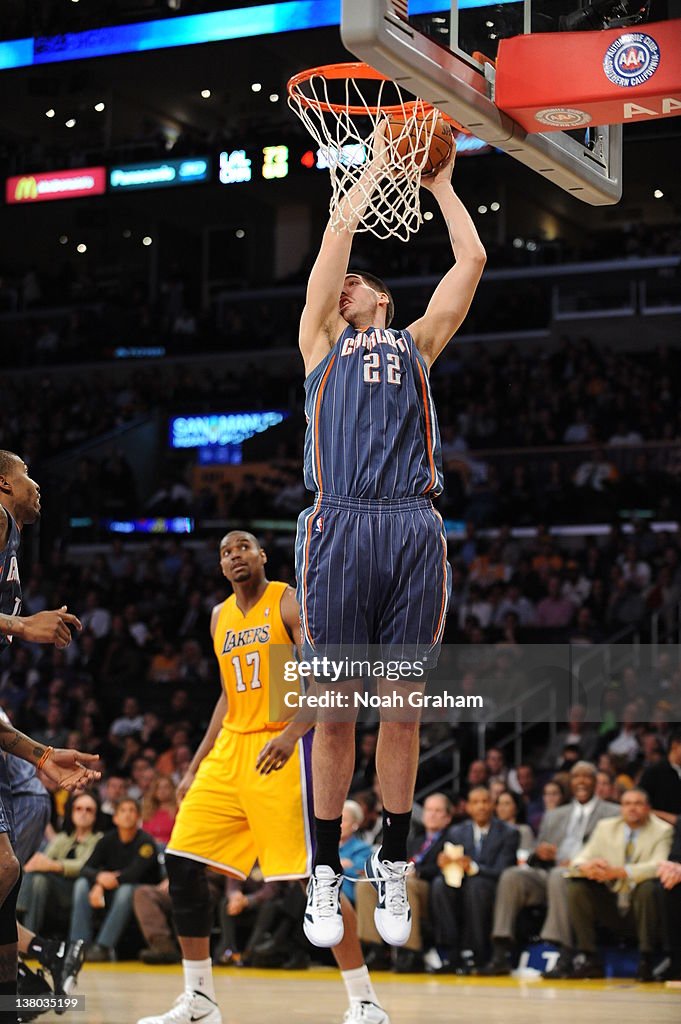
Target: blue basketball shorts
6,812
372,573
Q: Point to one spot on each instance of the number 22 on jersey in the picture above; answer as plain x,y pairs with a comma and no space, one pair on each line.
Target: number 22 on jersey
372,368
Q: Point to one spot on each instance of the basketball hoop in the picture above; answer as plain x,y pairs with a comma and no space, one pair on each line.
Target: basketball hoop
345,108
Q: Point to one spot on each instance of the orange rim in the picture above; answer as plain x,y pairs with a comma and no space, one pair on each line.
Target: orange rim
357,71
337,72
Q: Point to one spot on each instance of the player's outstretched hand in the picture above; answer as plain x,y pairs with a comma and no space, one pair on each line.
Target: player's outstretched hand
72,769
275,754
50,627
442,176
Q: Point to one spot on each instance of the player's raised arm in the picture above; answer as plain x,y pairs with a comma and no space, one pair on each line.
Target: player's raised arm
452,298
321,322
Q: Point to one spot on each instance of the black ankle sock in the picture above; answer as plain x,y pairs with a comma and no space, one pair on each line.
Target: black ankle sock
327,832
395,832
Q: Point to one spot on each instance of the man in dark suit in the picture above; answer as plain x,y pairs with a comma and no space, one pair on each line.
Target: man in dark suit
542,880
462,915
423,848
669,873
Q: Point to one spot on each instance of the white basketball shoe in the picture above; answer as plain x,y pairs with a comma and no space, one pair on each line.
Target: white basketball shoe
189,1008
392,915
323,921
366,1013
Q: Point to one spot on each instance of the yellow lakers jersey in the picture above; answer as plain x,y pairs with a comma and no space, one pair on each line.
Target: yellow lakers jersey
242,646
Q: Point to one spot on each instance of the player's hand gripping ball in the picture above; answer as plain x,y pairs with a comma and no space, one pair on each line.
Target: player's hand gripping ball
410,142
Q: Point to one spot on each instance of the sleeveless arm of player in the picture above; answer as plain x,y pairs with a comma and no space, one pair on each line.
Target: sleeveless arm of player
319,324
452,298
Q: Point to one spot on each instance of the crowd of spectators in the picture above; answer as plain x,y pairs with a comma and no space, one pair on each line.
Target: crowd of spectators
80,309
548,435
508,591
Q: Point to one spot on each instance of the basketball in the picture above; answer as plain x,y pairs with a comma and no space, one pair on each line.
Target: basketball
413,143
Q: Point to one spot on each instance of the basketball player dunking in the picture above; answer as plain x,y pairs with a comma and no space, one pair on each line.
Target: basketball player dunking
371,554
245,796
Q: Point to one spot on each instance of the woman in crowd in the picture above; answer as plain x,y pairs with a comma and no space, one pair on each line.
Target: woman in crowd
159,808
509,809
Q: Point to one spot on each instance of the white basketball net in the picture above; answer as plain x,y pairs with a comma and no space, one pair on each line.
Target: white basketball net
352,144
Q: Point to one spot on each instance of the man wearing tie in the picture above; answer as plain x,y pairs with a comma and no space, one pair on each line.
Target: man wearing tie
613,883
669,873
542,881
462,915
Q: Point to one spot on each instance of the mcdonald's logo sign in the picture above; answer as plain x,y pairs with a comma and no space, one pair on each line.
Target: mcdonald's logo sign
36,188
26,188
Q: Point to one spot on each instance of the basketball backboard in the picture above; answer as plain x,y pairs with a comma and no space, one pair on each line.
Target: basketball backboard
438,53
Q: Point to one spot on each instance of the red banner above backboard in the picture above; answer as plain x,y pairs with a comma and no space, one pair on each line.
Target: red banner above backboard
554,81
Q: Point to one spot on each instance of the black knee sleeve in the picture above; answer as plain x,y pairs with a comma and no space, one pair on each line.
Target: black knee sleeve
192,906
8,915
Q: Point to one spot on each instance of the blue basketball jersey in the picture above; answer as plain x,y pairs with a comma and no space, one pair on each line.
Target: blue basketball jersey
10,584
372,431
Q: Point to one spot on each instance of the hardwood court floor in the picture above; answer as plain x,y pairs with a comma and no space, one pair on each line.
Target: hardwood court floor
121,993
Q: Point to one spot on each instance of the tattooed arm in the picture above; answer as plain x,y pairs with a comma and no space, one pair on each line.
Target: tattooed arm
50,627
70,769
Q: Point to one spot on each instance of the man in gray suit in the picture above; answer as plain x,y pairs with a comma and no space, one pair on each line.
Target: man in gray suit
542,881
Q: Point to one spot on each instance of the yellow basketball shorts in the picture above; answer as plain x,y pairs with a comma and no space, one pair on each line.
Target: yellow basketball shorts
233,816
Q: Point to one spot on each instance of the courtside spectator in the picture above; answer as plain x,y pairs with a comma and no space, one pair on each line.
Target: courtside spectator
542,881
613,884
462,914
122,859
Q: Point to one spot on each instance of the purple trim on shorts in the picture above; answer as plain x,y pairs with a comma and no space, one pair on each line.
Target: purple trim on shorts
307,756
